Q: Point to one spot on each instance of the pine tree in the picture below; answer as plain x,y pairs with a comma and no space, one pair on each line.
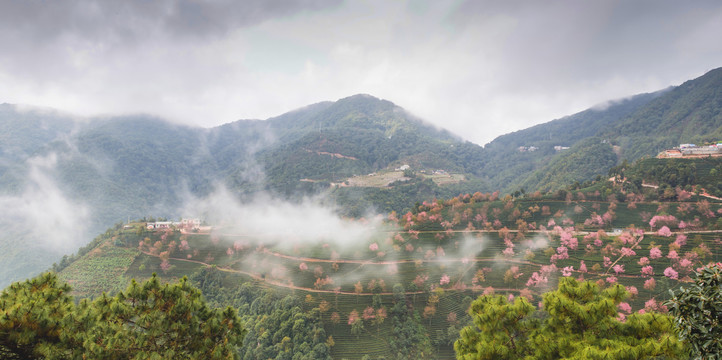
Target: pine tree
31,316
148,320
579,321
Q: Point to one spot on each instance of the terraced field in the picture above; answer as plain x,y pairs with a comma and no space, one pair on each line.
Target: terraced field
444,256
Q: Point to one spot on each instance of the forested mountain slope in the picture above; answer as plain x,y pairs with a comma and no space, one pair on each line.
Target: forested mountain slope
86,175
114,168
639,126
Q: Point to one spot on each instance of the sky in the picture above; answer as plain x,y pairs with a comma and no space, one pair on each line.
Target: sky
477,68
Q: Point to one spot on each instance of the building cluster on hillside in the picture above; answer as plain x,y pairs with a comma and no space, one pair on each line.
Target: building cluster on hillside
184,224
534,148
692,150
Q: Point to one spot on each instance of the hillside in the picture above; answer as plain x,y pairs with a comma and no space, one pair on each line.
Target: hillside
689,113
642,125
115,168
86,175
510,169
415,272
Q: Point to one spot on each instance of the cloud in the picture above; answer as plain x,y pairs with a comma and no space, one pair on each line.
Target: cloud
133,20
478,68
53,220
276,221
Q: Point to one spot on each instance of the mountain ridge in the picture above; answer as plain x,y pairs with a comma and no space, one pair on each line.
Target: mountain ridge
135,166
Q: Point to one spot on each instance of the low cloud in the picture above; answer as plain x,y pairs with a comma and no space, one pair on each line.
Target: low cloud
45,212
276,221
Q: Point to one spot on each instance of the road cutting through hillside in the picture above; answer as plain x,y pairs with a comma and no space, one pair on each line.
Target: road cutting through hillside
263,279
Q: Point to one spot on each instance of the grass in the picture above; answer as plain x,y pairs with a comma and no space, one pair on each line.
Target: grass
101,270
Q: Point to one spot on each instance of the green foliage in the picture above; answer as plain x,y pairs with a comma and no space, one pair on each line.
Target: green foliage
504,329
409,340
701,172
584,161
147,321
579,321
697,312
31,316
279,327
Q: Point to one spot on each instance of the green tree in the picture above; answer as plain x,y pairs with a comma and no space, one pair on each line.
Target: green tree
500,329
697,312
409,339
579,321
149,320
31,315
153,320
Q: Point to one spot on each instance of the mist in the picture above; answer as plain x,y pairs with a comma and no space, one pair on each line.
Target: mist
43,219
275,221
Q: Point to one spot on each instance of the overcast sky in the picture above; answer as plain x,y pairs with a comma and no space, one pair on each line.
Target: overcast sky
477,68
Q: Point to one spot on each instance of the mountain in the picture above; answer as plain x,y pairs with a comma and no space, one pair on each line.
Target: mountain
404,285
689,113
635,127
113,168
69,178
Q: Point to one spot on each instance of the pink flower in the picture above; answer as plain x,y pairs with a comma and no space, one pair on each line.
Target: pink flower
672,255
671,273
562,253
618,269
510,298
582,266
184,245
598,243
607,262
508,251
303,266
651,305
374,247
537,280
567,270
681,240
632,290
625,307
655,253
664,231
444,279
628,252
611,279
647,271
685,263
643,261
650,284
353,317
621,317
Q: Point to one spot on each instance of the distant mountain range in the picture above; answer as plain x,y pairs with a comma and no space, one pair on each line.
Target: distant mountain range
352,150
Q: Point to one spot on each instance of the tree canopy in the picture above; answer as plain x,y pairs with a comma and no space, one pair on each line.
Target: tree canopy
697,312
579,321
148,320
